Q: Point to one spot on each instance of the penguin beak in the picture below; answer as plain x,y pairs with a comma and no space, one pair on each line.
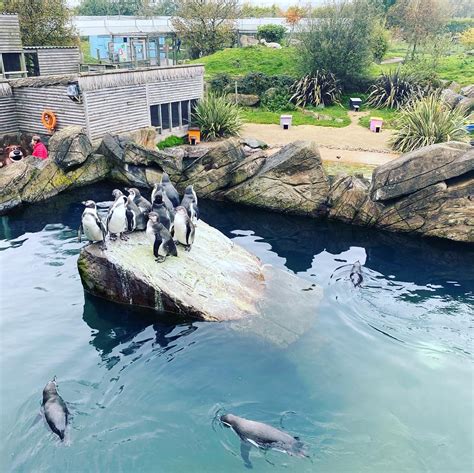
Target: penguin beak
126,188
83,202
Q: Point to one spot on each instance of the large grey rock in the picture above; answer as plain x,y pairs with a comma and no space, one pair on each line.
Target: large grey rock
140,156
468,91
113,147
421,168
451,98
69,147
247,100
291,181
467,104
13,178
254,143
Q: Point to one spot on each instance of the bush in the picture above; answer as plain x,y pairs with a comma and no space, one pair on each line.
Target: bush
221,83
271,33
217,117
277,100
458,25
379,42
393,90
321,88
467,39
427,121
258,82
170,141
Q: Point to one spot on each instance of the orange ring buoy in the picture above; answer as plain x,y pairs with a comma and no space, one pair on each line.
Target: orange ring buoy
48,119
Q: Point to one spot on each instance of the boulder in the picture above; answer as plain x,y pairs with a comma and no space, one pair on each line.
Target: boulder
454,86
451,98
247,100
468,91
467,104
140,156
290,181
421,168
113,147
13,179
253,143
69,147
246,41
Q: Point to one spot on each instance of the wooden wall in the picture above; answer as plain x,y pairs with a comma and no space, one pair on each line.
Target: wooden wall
8,121
32,101
58,61
10,40
173,90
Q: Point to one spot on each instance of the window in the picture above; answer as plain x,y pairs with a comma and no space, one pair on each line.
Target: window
155,115
175,111
11,62
185,112
165,116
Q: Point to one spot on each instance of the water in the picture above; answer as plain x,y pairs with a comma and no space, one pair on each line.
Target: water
380,381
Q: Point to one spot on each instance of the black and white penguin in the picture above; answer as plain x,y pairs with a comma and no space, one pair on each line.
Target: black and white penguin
55,409
140,207
160,208
356,274
169,205
92,226
190,203
170,190
117,217
183,228
163,244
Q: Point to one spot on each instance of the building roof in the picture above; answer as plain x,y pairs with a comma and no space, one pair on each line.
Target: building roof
50,47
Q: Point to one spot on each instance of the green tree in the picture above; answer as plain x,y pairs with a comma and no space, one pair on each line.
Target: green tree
253,11
43,22
419,20
114,7
339,42
206,25
271,33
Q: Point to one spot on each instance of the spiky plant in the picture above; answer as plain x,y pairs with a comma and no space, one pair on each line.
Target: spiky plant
320,88
427,121
217,117
394,89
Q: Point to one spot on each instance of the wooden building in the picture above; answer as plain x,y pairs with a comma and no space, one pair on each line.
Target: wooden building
111,102
51,60
12,59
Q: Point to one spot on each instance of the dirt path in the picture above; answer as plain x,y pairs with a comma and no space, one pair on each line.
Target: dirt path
352,143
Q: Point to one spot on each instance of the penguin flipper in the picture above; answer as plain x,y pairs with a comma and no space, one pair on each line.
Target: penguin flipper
245,453
156,245
170,247
190,230
101,225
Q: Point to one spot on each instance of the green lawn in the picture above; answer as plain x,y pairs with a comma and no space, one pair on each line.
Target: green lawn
388,115
259,115
240,61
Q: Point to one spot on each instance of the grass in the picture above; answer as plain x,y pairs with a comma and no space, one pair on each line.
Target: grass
87,58
240,61
334,168
259,115
388,114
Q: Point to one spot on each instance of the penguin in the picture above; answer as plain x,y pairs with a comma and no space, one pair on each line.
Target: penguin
55,409
170,190
91,225
169,205
183,228
139,206
356,274
117,216
190,203
159,207
136,220
163,244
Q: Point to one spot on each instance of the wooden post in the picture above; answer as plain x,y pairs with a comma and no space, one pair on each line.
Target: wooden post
23,64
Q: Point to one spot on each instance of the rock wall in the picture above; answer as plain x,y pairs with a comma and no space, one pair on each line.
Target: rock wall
429,191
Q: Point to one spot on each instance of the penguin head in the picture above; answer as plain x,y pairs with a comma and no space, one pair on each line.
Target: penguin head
116,193
158,197
189,190
89,204
51,387
165,179
134,193
227,419
181,210
153,217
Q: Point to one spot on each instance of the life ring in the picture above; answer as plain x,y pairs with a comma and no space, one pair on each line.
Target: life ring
48,119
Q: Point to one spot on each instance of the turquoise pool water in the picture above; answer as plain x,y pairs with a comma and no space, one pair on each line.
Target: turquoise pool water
381,380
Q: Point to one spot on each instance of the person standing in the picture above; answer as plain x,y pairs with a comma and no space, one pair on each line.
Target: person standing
39,149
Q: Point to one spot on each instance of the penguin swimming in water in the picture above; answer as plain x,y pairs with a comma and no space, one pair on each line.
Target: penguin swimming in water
190,203
163,244
91,225
169,205
140,207
117,217
55,409
356,274
170,190
183,228
159,207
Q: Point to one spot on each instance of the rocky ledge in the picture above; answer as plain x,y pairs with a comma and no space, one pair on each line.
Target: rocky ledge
216,281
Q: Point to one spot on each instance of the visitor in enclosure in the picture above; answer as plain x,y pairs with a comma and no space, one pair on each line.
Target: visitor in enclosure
39,149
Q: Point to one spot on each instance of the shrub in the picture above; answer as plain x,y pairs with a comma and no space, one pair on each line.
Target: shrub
170,141
221,83
271,33
427,121
393,89
217,117
277,100
458,25
258,82
379,42
321,88
467,39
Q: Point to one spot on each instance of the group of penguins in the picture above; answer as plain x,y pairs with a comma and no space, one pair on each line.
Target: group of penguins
167,219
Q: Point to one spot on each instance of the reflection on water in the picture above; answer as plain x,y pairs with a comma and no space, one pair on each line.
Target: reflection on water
376,378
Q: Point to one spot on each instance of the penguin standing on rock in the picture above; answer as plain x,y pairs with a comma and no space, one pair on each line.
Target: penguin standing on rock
117,216
163,244
92,226
139,206
183,228
55,409
190,203
170,190
169,205
160,208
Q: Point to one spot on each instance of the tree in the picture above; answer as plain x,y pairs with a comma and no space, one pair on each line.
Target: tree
43,22
419,20
339,42
253,11
206,25
114,7
292,17
271,33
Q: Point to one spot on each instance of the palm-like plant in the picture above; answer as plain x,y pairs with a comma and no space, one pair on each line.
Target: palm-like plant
320,88
427,121
394,89
217,117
